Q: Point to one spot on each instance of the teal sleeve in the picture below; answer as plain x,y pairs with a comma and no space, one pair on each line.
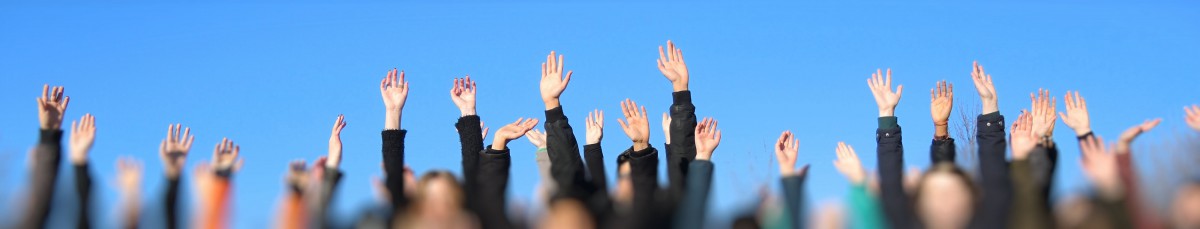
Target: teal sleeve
864,209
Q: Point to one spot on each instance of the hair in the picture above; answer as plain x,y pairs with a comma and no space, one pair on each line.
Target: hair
952,169
434,175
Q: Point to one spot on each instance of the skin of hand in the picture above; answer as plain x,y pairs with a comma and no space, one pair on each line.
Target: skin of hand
666,127
672,66
941,102
129,181
335,143
1100,166
512,131
707,138
1023,139
595,127
394,90
83,135
635,124
553,83
297,175
987,90
1077,114
786,150
882,89
1193,117
848,164
537,138
51,107
174,149
1044,107
463,95
225,156
1127,137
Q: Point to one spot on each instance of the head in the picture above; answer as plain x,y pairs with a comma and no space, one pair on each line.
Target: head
945,197
624,192
439,195
1185,210
567,213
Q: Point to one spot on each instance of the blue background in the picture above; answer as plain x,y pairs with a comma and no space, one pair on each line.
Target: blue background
274,76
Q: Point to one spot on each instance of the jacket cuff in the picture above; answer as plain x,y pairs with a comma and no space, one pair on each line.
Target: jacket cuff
888,122
1085,136
682,97
943,150
556,114
51,136
466,119
489,151
701,165
394,134
991,122
888,135
648,151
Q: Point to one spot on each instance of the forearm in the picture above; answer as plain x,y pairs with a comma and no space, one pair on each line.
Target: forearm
890,153
46,157
328,188
392,119
994,170
1028,202
493,188
694,206
864,209
393,165
943,150
171,202
595,166
83,190
682,150
793,194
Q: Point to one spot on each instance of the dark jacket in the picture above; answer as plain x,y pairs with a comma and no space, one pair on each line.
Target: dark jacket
793,193
889,150
83,189
589,186
694,205
393,166
997,190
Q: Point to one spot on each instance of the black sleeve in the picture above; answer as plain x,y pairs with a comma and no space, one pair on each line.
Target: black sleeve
46,157
1043,164
695,199
889,151
493,188
942,150
319,215
393,166
470,137
643,166
683,142
83,188
595,166
172,202
994,170
1028,201
793,193
565,163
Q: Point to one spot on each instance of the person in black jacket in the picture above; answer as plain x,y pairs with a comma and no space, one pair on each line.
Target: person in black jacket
83,135
173,152
45,156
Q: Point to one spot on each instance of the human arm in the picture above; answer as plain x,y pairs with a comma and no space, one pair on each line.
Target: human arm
890,153
83,134
394,91
694,205
792,179
173,152
941,102
129,182
45,156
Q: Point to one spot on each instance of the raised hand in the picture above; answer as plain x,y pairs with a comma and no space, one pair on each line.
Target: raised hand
707,138
83,135
537,138
1077,114
225,157
1193,117
463,95
512,131
394,90
1100,166
1024,138
1044,107
848,164
335,143
129,182
987,90
941,101
882,89
635,124
595,127
666,127
174,150
1127,137
786,150
671,65
51,107
553,82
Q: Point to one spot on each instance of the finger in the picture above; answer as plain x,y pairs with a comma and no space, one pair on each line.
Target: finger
46,92
623,126
567,79
899,90
661,57
560,63
889,78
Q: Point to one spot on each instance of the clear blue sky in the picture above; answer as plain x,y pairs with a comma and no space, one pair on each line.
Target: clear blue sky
273,77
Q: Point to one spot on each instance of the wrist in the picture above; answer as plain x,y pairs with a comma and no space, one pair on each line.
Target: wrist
466,111
499,144
941,130
704,156
640,145
990,107
679,86
551,103
1082,131
887,112
78,158
392,121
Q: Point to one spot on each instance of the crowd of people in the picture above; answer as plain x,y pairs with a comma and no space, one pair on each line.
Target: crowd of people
1008,192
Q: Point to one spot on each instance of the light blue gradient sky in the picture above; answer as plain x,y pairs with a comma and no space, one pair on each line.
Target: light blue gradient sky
274,76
